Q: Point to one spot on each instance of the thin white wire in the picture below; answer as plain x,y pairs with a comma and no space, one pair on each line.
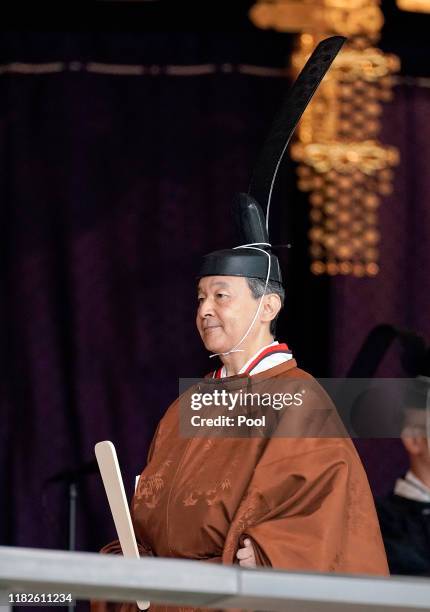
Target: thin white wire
255,248
269,200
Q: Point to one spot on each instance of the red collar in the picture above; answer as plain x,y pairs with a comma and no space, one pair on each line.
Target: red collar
270,350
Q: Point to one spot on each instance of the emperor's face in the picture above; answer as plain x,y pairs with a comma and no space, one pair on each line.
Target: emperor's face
226,307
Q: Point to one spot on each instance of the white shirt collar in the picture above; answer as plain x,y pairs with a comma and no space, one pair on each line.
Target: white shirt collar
268,362
412,487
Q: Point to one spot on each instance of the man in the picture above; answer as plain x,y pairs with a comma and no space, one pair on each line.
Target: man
295,499
405,513
291,494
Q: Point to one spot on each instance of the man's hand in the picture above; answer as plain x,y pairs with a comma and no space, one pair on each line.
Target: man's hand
246,555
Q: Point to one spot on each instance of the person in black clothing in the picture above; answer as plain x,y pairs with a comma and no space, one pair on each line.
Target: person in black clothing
404,514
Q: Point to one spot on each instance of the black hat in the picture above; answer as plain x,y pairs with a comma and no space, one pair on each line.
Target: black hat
375,416
253,257
251,262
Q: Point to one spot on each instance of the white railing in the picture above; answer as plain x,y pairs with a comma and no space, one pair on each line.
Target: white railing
172,581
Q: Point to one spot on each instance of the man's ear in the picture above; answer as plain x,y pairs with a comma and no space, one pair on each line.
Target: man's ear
271,306
413,441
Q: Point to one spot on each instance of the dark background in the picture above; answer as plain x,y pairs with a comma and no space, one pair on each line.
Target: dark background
111,189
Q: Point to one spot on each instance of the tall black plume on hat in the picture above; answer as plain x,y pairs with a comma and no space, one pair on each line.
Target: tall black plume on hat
252,225
379,411
414,353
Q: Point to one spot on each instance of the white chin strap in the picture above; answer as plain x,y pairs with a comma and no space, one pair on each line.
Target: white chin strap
255,246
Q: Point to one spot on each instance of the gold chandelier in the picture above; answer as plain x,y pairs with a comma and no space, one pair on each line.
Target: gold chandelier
341,162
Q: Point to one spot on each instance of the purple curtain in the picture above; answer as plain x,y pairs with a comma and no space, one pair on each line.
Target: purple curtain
112,187
400,294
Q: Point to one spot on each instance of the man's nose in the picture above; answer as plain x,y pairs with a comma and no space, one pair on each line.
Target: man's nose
206,308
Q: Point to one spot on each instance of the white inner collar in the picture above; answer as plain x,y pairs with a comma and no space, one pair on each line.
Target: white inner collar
412,487
270,361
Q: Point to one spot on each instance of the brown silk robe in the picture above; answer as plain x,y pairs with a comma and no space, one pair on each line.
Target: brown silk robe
304,501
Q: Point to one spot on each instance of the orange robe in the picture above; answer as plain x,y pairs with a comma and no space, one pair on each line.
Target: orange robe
301,496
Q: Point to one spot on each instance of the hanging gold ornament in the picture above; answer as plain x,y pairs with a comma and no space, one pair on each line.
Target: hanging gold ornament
341,162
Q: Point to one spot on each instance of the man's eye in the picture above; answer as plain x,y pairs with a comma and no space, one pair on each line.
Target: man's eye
200,299
221,295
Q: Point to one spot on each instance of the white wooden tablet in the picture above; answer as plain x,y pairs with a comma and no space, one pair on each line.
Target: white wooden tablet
114,487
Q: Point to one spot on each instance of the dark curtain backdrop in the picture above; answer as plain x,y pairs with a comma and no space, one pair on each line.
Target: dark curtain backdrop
112,187
400,294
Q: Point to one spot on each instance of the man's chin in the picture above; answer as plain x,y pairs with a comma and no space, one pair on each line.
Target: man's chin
213,346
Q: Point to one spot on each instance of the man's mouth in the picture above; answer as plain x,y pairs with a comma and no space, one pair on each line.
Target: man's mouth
208,328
